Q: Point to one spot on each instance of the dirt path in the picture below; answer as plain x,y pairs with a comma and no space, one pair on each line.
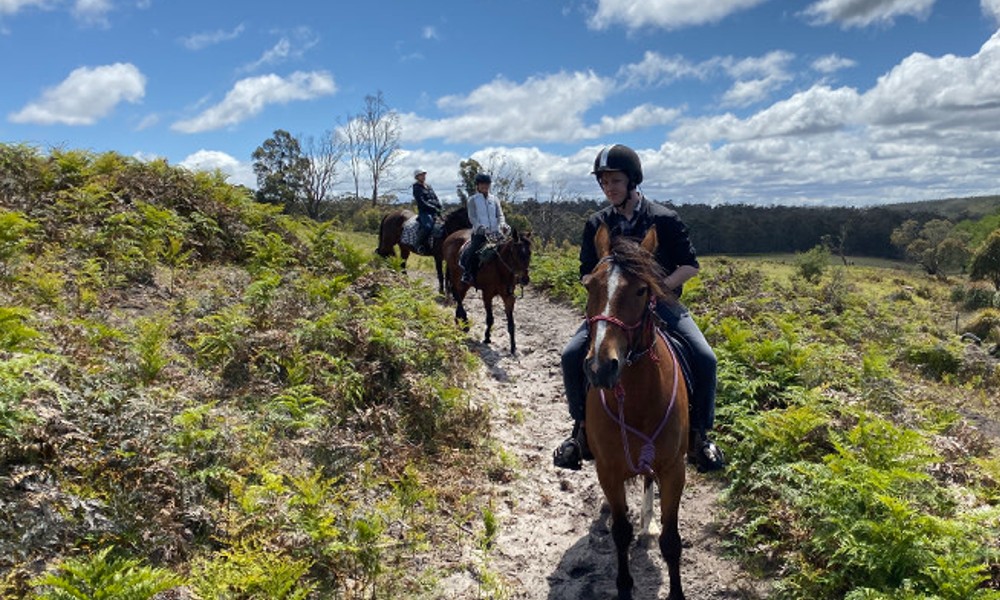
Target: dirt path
554,540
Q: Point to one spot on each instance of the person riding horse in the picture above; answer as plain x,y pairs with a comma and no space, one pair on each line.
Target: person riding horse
619,172
488,221
428,209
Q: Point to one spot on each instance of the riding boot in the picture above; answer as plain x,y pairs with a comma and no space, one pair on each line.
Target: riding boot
703,453
573,450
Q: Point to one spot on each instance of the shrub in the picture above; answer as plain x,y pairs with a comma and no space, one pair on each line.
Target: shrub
813,263
934,360
985,325
103,577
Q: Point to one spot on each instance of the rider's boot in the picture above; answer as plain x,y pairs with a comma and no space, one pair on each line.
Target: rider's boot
703,453
573,450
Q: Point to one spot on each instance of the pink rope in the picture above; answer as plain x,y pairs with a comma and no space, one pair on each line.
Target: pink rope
648,452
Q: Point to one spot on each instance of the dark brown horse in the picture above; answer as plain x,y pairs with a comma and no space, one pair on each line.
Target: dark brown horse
637,404
498,277
390,234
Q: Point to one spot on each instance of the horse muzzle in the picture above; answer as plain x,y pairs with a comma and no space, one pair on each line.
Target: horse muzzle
605,374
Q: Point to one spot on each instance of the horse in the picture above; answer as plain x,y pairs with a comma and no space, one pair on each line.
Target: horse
637,402
393,226
497,277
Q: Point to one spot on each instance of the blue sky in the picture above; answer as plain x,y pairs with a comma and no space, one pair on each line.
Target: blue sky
814,102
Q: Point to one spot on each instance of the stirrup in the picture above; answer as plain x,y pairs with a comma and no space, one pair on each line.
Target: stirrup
705,455
568,455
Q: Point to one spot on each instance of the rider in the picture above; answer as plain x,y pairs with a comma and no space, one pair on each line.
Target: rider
619,172
428,208
487,219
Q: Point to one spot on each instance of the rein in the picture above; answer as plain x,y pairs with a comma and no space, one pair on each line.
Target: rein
648,452
499,257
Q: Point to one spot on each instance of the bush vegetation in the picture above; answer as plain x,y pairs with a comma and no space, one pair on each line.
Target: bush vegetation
845,398
198,392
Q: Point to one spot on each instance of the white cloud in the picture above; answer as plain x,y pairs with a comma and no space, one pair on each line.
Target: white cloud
211,160
202,40
429,33
11,7
831,63
814,111
93,12
665,14
87,95
950,93
656,70
289,47
756,78
250,96
862,13
547,108
991,8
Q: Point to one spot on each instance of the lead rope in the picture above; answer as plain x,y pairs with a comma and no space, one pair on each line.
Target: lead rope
648,452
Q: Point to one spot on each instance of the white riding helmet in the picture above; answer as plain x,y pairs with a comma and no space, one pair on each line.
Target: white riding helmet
418,173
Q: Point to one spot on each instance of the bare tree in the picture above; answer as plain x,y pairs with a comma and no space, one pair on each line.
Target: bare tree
351,141
324,156
380,133
508,176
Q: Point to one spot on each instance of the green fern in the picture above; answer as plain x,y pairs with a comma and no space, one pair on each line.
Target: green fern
104,577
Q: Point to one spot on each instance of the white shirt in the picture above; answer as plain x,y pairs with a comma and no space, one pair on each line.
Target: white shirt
485,214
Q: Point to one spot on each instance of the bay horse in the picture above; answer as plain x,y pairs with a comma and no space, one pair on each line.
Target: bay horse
637,403
497,277
390,234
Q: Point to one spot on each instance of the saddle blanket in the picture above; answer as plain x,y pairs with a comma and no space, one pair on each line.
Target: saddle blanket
411,231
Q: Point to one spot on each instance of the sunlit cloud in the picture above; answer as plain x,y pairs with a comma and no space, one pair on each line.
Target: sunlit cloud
251,96
86,96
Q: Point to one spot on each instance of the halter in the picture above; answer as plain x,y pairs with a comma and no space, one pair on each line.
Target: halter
648,452
632,355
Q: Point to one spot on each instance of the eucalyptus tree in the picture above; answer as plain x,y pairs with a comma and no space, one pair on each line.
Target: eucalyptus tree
282,170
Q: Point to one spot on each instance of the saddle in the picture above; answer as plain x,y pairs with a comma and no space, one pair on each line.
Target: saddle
683,352
411,233
486,253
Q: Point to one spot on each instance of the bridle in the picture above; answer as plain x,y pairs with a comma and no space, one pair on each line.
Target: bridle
648,452
645,320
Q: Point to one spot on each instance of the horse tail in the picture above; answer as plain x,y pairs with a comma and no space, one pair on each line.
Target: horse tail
380,249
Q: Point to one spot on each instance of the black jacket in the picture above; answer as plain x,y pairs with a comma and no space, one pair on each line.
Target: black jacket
674,246
427,201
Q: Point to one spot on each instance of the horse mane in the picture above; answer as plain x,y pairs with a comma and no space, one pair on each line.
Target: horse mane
457,219
637,262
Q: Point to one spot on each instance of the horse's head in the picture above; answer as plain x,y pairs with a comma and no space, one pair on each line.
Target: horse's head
621,296
516,254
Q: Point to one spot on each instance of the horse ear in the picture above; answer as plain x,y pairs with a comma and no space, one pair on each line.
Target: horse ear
650,241
602,241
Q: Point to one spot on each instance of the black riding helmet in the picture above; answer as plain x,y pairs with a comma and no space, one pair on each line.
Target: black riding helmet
619,158
483,178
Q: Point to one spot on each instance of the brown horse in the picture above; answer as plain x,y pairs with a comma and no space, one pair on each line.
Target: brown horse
390,234
637,404
495,278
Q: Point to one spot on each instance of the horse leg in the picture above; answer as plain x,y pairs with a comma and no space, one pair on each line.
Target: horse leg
461,317
488,304
647,505
440,273
621,529
508,307
671,478
404,253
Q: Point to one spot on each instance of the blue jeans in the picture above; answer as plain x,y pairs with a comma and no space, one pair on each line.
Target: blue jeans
703,365
426,222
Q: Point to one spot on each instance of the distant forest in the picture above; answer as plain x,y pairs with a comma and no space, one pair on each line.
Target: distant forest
745,229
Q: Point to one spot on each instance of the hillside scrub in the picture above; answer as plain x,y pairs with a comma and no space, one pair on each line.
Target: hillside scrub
197,392
848,405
